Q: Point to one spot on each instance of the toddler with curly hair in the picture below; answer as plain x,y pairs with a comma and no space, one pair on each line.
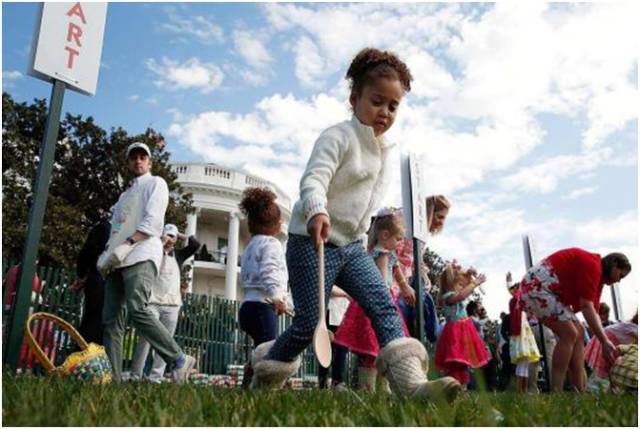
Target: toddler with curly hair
263,270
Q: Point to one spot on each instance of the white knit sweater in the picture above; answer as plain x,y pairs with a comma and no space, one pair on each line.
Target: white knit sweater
346,178
263,269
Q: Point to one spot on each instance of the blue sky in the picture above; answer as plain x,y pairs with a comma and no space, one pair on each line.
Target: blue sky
525,115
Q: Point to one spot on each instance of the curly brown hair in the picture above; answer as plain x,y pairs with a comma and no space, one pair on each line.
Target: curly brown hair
259,205
372,63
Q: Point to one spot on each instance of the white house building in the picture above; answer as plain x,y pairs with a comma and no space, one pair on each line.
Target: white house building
219,225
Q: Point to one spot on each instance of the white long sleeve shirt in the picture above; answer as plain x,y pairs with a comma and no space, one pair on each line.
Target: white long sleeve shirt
166,289
145,201
263,269
346,178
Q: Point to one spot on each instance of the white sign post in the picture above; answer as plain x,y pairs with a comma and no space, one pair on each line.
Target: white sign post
68,44
415,215
529,261
66,51
414,199
617,303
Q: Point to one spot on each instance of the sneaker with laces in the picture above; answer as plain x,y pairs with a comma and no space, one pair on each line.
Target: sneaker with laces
184,365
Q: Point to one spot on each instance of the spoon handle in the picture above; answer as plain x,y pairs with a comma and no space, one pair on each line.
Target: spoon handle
321,280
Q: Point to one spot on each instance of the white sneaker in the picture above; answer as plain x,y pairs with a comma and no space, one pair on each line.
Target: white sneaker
180,375
339,387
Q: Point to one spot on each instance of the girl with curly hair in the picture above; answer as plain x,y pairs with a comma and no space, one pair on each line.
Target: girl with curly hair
344,181
263,270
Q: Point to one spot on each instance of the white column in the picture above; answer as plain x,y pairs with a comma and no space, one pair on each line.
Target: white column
231,274
192,223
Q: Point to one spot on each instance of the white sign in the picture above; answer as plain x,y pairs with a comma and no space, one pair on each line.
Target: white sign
68,44
414,201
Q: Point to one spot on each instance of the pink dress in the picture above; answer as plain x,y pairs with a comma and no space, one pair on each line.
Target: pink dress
356,332
459,343
620,333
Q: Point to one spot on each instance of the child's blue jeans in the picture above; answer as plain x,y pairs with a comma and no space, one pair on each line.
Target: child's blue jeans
259,320
351,268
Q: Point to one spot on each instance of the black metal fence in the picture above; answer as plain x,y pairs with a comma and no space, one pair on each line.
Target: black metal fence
208,326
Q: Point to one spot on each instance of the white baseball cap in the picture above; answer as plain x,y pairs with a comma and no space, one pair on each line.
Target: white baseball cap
170,229
138,145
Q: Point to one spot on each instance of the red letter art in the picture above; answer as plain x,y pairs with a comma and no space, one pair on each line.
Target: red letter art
72,54
74,32
77,10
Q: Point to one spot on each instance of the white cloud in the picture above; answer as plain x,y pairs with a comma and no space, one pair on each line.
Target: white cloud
609,111
134,97
176,114
458,159
9,78
254,77
360,25
252,49
12,75
496,66
594,65
577,193
430,78
544,176
621,230
309,61
279,133
201,28
192,74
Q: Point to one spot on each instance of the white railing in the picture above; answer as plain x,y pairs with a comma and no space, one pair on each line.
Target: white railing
253,181
212,174
212,170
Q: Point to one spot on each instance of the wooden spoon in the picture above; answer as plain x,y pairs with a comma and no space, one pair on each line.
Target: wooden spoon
321,339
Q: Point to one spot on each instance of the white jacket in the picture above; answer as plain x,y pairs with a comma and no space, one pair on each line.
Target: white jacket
263,269
346,178
140,208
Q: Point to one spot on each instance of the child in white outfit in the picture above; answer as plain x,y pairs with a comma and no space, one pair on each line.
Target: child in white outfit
264,271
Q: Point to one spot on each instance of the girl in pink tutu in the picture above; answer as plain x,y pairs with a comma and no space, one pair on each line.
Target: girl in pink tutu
356,332
459,346
618,333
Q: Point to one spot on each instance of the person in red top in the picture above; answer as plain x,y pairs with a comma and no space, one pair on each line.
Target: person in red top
10,282
44,336
561,285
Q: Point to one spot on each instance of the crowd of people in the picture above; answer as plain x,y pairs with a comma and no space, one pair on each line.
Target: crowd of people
372,306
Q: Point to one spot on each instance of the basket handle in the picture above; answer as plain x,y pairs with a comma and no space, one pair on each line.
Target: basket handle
40,354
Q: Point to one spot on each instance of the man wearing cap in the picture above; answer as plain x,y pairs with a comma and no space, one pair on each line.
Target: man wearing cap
166,298
133,259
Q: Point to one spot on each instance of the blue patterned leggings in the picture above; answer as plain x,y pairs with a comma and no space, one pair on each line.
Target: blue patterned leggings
351,268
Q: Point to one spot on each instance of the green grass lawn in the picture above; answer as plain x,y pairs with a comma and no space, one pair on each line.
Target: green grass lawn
42,401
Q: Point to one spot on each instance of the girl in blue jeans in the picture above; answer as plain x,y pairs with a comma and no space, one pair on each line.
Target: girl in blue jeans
344,182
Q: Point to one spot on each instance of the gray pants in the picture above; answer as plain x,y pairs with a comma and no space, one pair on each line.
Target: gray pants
127,292
168,316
